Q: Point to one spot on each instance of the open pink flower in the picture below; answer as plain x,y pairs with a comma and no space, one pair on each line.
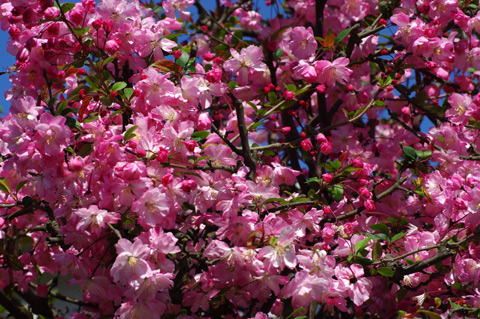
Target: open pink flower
52,134
249,60
330,72
130,264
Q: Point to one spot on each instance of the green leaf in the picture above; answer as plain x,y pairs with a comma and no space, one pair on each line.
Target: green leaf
20,185
314,179
381,228
401,293
73,123
273,199
278,54
409,261
167,66
118,86
130,133
430,314
377,251
109,59
5,185
337,192
409,152
342,35
183,59
392,220
294,312
397,236
363,261
128,92
86,149
253,106
333,166
379,103
291,87
361,244
380,81
272,97
423,155
81,31
379,236
454,305
200,135
198,159
67,7
232,85
385,271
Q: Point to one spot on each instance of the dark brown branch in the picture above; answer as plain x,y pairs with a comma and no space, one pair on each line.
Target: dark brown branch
12,307
319,14
242,128
290,205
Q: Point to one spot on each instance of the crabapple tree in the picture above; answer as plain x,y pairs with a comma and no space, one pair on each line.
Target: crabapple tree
289,159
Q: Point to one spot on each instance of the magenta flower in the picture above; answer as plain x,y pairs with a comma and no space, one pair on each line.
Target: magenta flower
330,72
303,43
94,219
130,264
52,134
249,60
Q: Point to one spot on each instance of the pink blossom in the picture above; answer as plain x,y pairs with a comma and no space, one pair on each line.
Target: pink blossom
131,263
249,60
330,72
52,134
180,5
154,208
303,44
461,109
94,219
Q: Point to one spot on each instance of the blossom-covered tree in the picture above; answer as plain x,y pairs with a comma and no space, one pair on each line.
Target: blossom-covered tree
180,162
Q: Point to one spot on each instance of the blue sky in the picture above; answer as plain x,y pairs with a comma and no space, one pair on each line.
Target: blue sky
6,60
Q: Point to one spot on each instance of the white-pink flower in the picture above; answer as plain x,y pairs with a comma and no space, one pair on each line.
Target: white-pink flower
248,60
94,219
331,72
130,264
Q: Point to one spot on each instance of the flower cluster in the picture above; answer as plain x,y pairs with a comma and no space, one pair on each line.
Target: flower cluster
240,165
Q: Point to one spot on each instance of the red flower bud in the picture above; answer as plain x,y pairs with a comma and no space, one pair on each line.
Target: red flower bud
162,155
191,144
177,54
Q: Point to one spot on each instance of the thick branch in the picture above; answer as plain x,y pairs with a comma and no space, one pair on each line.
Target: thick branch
242,128
12,307
319,9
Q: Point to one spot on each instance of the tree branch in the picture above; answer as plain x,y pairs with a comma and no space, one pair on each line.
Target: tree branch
242,128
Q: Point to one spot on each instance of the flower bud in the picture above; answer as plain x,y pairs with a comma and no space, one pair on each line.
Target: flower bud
326,148
177,54
108,25
162,155
306,145
369,205
327,178
97,24
288,95
321,138
167,179
51,12
188,185
191,144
